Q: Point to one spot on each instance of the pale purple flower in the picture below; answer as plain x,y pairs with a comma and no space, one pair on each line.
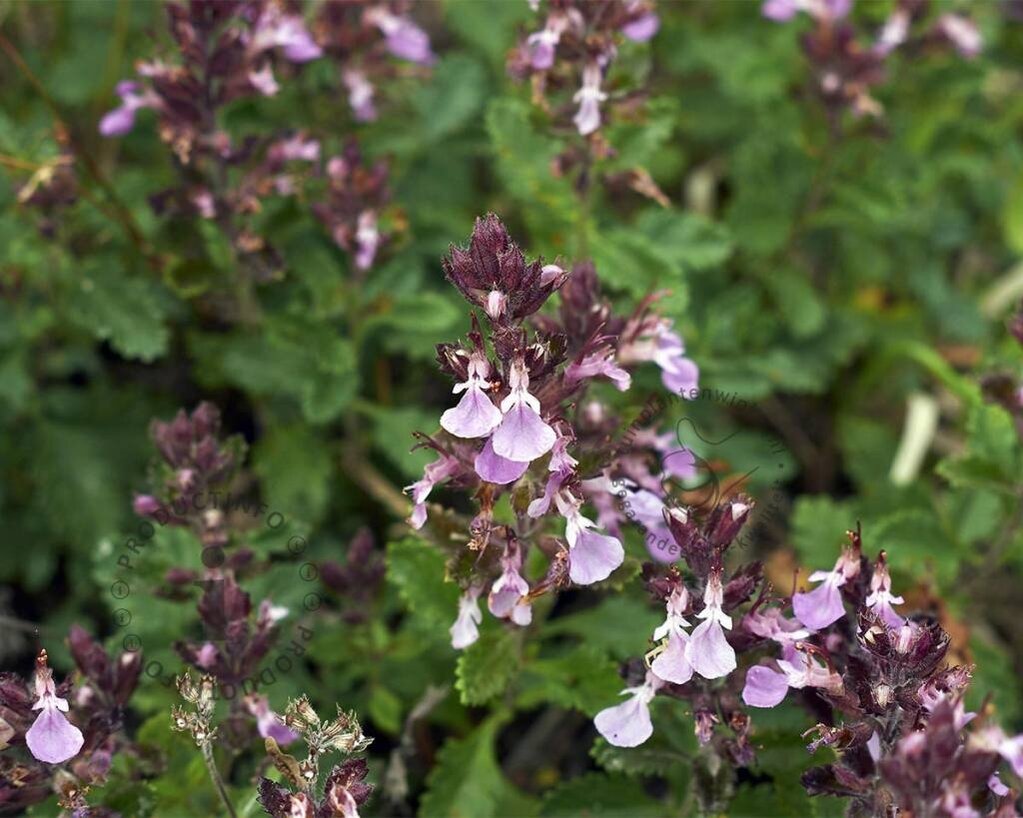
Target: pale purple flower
589,97
262,79
403,38
766,687
268,723
360,95
507,594
628,724
647,509
297,148
894,32
560,467
881,599
772,624
823,605
493,468
598,363
51,738
709,652
962,33
206,207
522,436
992,739
206,656
121,120
541,45
672,663
678,373
475,415
782,10
436,472
278,29
643,27
996,786
592,556
465,630
367,240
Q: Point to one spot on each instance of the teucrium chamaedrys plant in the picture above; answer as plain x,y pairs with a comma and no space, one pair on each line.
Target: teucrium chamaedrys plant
524,423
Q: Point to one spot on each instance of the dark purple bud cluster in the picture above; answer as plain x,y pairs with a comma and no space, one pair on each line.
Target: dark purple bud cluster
845,70
357,581
235,644
356,197
195,463
364,38
570,56
526,425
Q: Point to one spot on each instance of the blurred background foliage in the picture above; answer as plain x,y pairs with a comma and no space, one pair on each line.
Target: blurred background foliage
843,289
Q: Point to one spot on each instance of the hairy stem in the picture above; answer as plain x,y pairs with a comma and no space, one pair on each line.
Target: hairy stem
218,782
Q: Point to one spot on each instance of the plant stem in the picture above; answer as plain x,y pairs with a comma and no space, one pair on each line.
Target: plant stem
218,783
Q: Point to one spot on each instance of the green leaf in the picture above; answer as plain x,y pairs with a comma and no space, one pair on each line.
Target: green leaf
583,678
485,667
129,312
289,358
294,466
523,162
454,97
466,781
417,570
818,529
607,796
612,625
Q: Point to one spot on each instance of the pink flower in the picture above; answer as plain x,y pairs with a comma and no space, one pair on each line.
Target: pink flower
269,723
403,38
962,33
766,687
642,27
820,607
782,10
894,33
672,664
507,594
367,240
709,652
592,556
600,362
262,79
51,738
540,47
465,630
475,415
589,97
493,468
678,374
436,472
278,29
121,120
522,435
360,95
628,724
880,600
